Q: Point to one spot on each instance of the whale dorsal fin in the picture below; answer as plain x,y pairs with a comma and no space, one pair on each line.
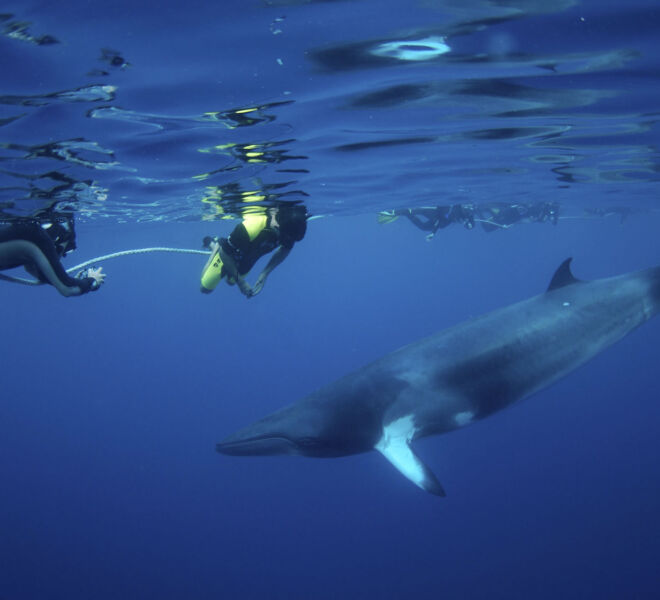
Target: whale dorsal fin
394,445
563,276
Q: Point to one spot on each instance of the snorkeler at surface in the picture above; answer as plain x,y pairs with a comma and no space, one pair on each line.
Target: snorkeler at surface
502,216
275,229
432,218
38,244
494,216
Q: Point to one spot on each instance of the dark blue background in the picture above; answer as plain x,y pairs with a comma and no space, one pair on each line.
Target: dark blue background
112,404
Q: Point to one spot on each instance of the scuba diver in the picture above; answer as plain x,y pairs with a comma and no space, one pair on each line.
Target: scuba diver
544,211
277,228
432,218
502,216
38,243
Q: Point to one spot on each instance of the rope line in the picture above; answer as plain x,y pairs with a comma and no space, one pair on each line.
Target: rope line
136,251
105,257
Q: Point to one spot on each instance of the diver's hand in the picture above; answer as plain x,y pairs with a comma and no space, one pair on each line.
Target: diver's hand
258,285
244,286
98,276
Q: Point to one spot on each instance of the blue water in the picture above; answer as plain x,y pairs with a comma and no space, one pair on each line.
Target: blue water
153,122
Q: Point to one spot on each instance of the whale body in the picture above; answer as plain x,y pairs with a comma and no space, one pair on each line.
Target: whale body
457,376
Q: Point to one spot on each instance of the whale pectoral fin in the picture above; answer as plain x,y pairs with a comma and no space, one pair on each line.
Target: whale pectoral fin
395,447
409,464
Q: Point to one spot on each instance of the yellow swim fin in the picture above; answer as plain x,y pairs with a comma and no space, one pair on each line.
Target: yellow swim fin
387,216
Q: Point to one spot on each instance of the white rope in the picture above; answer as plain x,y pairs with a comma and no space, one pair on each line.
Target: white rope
105,257
136,251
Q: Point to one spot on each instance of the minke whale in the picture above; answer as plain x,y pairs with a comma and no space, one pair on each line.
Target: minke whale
457,376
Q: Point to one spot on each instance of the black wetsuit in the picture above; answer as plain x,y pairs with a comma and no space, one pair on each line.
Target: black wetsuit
432,218
23,242
429,218
246,252
498,216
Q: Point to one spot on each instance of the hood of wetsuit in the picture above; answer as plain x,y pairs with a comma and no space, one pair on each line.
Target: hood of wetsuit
60,230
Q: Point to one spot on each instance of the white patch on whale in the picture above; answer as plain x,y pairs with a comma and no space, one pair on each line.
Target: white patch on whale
463,418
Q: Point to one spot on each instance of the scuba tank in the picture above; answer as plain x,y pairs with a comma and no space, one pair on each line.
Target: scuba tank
212,274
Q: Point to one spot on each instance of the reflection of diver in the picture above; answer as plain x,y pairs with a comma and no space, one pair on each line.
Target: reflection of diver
242,117
501,215
38,244
259,234
432,218
266,152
